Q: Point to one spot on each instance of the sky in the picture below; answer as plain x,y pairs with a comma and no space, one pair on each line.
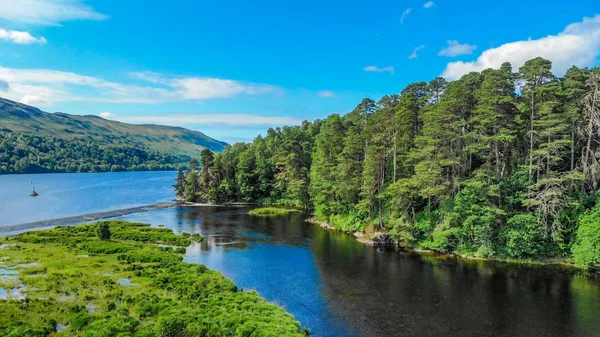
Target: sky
232,69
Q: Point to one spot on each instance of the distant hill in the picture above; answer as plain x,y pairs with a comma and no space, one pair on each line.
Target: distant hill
34,141
20,118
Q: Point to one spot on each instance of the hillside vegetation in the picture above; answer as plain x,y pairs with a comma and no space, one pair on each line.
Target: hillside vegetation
155,142
499,163
124,279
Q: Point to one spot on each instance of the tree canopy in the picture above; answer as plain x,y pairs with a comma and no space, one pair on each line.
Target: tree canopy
496,164
27,153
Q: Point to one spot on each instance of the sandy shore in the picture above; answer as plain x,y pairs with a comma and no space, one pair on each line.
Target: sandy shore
13,229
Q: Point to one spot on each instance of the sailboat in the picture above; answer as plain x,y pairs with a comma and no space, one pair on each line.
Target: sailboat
33,193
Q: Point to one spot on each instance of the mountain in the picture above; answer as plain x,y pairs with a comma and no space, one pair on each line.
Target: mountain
20,118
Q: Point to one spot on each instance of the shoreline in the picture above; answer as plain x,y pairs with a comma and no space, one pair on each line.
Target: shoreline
78,219
388,242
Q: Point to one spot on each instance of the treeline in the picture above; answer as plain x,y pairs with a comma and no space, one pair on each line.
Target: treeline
26,153
500,163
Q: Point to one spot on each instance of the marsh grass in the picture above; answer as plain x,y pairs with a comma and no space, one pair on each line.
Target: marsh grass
272,211
167,297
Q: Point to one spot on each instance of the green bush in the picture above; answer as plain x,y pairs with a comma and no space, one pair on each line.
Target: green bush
169,326
522,237
106,247
271,211
349,222
425,222
444,241
586,250
400,232
103,231
79,321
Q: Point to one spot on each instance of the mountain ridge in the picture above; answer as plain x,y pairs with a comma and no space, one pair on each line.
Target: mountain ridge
21,118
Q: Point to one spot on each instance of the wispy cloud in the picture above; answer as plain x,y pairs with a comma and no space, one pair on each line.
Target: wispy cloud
578,44
44,87
20,37
107,115
47,12
429,4
234,119
405,14
455,48
326,94
376,69
201,88
414,55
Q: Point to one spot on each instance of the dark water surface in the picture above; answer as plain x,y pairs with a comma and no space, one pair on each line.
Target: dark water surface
338,287
70,194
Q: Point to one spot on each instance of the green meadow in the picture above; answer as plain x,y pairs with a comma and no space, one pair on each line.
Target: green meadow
116,278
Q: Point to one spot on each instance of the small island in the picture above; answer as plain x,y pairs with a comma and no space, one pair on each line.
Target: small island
128,279
272,211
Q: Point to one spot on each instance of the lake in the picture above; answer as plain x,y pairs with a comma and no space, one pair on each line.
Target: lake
337,286
331,283
69,194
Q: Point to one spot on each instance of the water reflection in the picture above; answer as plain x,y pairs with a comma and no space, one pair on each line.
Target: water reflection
338,287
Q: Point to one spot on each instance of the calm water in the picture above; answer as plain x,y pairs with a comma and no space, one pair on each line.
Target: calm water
69,194
338,287
332,284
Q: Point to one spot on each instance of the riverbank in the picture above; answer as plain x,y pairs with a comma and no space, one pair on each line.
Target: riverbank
128,281
13,229
382,239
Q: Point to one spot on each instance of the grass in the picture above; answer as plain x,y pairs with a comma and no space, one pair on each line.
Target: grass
271,211
71,279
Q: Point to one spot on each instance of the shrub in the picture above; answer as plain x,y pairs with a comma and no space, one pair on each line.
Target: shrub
347,222
271,211
444,241
401,232
79,321
103,231
586,250
522,237
169,326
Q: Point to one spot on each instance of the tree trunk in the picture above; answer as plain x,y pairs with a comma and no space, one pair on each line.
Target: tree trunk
395,157
531,135
589,141
573,146
381,179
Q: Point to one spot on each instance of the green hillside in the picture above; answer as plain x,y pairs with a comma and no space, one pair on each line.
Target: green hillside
21,118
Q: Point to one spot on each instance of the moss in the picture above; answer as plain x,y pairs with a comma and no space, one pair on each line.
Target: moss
271,211
74,283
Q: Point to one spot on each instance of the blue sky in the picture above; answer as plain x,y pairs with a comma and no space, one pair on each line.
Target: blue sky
231,69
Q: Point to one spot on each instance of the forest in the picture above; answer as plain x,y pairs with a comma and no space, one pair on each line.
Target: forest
27,153
501,163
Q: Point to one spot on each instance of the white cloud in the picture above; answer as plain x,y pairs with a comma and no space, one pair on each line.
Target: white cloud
47,12
4,85
107,115
429,4
578,44
209,88
41,100
376,69
45,87
20,37
208,119
405,14
455,48
414,55
326,94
